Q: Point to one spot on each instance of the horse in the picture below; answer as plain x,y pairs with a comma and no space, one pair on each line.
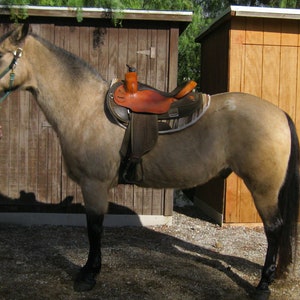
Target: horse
239,132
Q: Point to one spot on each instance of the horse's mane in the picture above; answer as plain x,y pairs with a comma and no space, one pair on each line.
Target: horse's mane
7,34
73,62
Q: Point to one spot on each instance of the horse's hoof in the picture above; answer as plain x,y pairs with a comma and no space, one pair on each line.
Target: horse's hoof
262,292
261,295
84,282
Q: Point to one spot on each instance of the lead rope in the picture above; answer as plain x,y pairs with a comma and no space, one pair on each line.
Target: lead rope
17,54
11,82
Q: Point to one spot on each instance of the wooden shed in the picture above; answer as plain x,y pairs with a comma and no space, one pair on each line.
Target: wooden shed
32,176
254,50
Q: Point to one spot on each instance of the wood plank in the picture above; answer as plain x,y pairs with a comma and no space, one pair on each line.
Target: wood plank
122,55
101,35
94,45
113,53
138,199
248,212
84,44
236,54
119,195
252,75
237,32
132,47
271,30
288,80
162,57
254,31
232,203
142,59
147,201
271,73
5,141
167,197
129,196
158,202
13,183
151,80
297,99
33,141
173,60
4,148
23,141
289,33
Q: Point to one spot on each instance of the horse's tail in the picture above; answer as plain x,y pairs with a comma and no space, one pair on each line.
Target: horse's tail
289,206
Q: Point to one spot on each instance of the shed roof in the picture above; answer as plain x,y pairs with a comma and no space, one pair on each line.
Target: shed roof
251,12
182,18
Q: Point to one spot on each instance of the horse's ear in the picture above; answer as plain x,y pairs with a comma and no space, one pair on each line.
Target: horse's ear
20,33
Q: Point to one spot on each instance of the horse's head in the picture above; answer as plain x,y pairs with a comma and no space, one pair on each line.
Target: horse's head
13,62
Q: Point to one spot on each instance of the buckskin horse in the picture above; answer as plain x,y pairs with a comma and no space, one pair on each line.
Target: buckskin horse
238,132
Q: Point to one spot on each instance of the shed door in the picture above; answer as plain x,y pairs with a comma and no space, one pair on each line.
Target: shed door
265,62
31,167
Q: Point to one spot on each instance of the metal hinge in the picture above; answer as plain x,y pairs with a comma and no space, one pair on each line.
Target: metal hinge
150,52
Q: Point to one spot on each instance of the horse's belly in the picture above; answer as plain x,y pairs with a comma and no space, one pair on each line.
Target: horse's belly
182,169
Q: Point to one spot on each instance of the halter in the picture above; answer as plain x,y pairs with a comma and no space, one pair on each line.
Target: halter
17,54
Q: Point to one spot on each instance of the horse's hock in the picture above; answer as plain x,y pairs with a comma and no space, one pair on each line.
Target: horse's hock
32,175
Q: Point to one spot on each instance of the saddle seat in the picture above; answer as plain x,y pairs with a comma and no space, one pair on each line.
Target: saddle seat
142,98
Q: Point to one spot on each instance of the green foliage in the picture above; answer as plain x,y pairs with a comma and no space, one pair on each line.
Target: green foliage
189,52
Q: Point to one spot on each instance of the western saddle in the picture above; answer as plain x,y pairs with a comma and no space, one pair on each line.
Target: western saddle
146,112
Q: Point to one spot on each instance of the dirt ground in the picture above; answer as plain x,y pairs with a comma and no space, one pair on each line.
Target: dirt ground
192,259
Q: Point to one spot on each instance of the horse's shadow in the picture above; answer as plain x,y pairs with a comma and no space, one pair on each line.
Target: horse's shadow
27,202
151,241
147,241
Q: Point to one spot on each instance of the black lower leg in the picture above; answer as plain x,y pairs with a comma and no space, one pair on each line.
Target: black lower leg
86,277
273,234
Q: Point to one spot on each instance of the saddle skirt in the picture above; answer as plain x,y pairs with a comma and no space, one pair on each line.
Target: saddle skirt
183,112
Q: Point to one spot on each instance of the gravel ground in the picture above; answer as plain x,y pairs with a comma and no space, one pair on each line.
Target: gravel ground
192,259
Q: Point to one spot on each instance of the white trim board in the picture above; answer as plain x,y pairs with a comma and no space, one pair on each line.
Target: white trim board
29,219
209,211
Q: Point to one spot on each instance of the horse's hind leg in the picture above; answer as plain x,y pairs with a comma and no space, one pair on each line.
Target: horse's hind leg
280,212
273,228
95,209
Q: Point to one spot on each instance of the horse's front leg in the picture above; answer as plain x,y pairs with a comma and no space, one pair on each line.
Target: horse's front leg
86,278
95,197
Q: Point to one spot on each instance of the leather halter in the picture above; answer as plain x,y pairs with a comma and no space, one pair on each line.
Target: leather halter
17,54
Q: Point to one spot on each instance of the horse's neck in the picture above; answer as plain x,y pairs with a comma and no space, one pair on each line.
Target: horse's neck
65,91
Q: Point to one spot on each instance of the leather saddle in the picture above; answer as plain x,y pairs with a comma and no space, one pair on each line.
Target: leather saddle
146,112
141,98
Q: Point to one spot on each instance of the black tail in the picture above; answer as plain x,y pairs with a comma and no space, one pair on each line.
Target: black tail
289,206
